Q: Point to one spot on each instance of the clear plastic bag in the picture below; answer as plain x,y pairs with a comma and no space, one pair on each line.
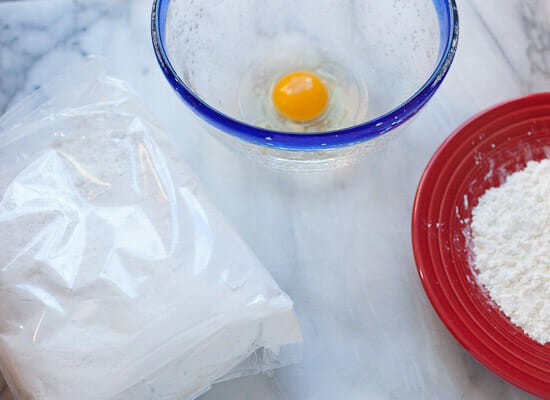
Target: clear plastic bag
118,279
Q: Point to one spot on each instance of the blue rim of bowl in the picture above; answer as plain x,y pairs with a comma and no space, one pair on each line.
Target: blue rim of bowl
448,22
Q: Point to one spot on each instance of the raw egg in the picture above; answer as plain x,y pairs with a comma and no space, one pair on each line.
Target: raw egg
300,96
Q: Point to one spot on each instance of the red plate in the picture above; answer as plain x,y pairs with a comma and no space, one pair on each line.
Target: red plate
477,156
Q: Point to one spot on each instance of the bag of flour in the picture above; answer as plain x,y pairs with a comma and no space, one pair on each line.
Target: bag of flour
118,279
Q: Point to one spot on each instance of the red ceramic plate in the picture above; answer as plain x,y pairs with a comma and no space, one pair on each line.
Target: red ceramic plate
477,156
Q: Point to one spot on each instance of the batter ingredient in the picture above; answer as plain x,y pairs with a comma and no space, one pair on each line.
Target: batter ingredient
116,273
511,236
300,96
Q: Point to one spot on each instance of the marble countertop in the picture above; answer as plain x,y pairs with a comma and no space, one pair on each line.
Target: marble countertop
337,242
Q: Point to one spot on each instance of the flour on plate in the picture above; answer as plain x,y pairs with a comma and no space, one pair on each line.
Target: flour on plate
511,237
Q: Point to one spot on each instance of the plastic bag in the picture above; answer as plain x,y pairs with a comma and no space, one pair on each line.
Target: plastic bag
118,279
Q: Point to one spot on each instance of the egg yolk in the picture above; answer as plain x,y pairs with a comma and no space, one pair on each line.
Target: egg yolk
300,96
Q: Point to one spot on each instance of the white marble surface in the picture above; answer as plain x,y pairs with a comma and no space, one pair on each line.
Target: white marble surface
337,242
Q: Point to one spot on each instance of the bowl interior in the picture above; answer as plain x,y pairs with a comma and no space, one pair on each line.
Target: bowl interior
229,53
478,156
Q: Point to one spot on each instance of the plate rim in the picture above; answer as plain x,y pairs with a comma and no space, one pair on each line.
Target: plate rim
446,311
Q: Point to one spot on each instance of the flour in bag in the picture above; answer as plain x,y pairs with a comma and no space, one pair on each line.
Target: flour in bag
117,273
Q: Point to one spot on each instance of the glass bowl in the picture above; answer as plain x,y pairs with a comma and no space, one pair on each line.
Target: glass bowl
381,60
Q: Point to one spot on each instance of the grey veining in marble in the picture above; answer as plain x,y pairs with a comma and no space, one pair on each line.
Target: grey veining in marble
338,242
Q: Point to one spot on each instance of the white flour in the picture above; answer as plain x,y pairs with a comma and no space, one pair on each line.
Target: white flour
118,278
511,235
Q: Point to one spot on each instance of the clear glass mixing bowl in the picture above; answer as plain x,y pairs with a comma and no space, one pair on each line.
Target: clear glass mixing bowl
383,60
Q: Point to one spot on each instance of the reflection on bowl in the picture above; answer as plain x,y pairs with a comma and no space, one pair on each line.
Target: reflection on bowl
382,61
